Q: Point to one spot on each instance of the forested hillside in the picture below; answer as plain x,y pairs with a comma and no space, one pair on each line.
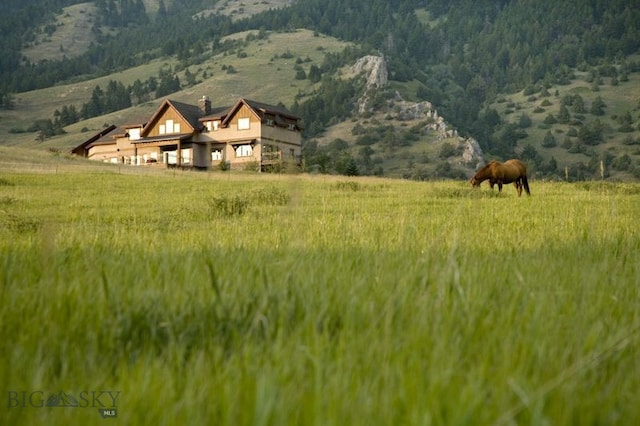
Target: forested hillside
466,57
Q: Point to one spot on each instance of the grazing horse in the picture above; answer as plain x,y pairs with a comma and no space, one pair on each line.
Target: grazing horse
501,173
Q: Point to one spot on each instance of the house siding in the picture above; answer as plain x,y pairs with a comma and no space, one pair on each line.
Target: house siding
103,153
172,116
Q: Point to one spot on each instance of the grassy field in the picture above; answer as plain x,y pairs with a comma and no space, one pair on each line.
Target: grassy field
232,299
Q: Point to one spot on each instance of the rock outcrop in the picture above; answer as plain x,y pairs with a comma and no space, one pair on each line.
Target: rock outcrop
377,76
376,67
472,155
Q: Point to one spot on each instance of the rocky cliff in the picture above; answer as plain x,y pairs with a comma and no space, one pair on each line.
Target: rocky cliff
375,70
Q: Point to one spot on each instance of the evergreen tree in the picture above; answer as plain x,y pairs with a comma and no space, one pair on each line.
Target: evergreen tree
597,106
524,121
563,115
549,140
314,74
578,105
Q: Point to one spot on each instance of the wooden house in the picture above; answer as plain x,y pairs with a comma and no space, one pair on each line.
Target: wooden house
247,135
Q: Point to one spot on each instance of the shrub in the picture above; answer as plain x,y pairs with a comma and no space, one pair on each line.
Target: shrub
271,196
446,150
235,205
550,119
348,185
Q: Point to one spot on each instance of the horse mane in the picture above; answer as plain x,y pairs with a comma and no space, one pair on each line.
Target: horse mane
489,164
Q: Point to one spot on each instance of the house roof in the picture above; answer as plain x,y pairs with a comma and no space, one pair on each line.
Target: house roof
216,114
190,113
104,136
260,109
267,108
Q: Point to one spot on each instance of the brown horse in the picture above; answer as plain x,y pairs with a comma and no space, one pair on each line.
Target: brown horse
501,173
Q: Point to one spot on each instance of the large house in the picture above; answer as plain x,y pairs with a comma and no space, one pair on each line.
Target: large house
249,134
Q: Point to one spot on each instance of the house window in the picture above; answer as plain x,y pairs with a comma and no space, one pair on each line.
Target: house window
244,151
292,127
212,126
216,155
134,134
170,157
244,123
269,122
169,127
186,156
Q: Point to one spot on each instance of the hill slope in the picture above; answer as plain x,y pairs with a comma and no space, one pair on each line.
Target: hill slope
427,52
262,69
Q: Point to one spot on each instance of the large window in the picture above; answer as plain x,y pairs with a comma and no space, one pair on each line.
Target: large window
169,127
244,123
244,151
134,134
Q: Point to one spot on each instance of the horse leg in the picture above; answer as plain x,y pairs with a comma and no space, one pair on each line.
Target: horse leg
499,186
518,186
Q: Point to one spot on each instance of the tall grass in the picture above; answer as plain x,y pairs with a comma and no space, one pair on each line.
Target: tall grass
325,301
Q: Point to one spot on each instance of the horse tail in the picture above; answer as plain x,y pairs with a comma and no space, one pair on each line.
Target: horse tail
525,182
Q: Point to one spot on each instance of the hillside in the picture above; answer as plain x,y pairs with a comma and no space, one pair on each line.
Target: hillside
262,70
578,139
505,96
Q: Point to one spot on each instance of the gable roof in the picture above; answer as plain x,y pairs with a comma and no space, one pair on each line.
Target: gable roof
216,114
189,113
273,109
260,109
104,136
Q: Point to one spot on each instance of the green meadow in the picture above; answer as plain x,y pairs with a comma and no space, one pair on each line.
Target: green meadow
173,297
